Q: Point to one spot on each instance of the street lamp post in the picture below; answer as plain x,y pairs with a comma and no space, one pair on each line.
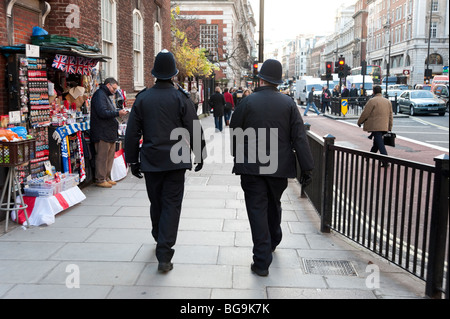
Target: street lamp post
261,31
427,71
388,63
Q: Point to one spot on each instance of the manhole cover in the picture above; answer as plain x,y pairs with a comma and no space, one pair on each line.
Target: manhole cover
329,267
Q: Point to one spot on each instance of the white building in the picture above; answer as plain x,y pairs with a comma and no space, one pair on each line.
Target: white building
342,41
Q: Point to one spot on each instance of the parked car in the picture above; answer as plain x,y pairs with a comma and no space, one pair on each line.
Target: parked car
422,87
442,91
420,102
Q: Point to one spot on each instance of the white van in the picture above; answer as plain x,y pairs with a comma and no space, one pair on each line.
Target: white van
304,86
358,81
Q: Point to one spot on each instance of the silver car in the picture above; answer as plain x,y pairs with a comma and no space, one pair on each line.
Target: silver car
420,102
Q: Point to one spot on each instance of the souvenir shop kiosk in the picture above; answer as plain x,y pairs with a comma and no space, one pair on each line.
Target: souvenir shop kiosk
44,138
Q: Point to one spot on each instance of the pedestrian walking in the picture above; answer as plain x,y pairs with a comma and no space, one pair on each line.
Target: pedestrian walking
326,97
378,119
158,115
310,102
104,131
237,96
345,92
195,97
268,122
229,105
336,91
353,91
217,102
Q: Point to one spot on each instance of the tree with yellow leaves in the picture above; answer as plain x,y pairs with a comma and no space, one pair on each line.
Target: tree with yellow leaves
190,61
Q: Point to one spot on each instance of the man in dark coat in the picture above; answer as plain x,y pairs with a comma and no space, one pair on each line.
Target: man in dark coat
104,133
266,127
165,118
217,101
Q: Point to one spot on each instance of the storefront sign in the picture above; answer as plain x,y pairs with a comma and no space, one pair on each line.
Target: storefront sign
32,51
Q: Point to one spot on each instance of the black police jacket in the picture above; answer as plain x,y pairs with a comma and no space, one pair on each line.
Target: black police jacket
266,128
165,119
103,121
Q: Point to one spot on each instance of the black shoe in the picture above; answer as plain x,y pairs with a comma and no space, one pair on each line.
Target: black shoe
385,164
165,266
259,272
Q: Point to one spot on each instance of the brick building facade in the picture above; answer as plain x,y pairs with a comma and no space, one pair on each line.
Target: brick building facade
128,22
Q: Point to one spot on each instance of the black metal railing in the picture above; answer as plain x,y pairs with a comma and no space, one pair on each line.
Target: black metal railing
355,105
400,212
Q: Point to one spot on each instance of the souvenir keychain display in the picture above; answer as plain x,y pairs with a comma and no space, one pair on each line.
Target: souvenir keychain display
38,93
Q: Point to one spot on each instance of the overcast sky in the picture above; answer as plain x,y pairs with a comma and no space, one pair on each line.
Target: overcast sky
284,19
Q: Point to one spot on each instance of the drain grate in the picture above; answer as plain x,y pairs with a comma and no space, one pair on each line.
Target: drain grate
329,267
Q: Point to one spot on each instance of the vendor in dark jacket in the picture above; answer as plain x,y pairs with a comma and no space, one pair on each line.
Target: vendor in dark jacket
104,133
266,127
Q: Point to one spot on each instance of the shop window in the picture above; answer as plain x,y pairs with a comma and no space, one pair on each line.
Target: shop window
435,59
138,49
109,38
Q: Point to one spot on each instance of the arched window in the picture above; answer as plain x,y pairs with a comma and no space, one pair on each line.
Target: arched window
408,61
138,50
158,38
435,58
109,37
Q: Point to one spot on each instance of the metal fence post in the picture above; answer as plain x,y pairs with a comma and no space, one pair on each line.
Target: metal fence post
302,192
438,230
327,184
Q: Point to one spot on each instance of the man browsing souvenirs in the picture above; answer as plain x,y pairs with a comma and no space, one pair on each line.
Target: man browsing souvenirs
104,131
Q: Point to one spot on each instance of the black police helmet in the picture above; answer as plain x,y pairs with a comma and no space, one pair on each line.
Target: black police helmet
165,66
271,71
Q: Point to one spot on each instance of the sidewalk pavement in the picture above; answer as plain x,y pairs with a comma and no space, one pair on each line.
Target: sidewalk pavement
104,245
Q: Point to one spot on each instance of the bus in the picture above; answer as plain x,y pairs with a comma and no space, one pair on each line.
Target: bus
374,71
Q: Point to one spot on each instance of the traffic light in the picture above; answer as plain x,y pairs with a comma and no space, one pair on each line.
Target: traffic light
255,68
329,68
341,67
347,70
363,67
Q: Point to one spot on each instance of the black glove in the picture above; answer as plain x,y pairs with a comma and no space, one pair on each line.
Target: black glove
198,167
306,178
136,170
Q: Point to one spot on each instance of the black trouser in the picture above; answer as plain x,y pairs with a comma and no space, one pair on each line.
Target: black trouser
263,203
378,143
165,191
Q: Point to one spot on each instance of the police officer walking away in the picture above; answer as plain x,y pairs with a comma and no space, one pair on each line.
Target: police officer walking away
268,123
165,118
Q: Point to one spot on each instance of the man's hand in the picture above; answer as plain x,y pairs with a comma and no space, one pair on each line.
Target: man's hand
136,170
306,178
123,112
198,167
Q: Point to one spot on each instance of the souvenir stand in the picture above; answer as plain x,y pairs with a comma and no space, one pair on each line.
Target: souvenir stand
49,94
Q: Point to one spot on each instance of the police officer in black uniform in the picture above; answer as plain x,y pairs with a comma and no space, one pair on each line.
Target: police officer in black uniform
165,118
268,123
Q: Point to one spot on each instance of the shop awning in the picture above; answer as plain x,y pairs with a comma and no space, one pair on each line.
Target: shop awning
66,48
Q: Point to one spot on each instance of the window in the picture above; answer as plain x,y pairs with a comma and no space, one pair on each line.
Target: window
433,29
109,37
435,58
138,48
435,5
209,39
158,38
